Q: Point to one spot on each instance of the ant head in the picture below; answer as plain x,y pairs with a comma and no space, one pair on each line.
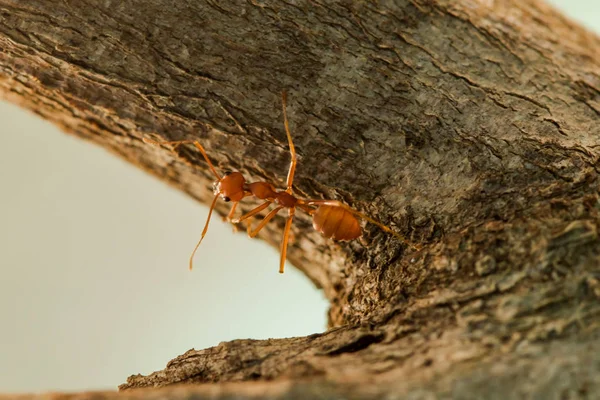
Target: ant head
231,186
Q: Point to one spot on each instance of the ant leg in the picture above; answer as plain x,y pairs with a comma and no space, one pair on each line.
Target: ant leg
306,209
230,216
252,212
212,206
335,203
195,143
249,227
231,212
290,177
265,221
286,236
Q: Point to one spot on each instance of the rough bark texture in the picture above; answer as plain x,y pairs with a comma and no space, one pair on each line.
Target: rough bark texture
471,127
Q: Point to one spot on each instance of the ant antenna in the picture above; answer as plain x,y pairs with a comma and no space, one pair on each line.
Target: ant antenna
195,143
212,206
215,173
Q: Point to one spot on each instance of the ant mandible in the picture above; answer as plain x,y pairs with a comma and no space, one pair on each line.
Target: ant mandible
331,218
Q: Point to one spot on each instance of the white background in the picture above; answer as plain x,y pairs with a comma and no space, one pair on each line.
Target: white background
93,263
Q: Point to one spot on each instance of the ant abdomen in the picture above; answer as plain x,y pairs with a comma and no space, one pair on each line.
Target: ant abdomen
336,223
231,186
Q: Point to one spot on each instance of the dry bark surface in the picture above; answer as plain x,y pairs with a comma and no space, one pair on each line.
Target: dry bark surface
471,127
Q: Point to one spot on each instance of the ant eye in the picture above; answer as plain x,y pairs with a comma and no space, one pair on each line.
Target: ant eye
227,199
227,173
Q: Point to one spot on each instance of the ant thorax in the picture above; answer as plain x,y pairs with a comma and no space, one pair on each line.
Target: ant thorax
261,190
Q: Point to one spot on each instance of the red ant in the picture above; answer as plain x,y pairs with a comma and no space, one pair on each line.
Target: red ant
331,218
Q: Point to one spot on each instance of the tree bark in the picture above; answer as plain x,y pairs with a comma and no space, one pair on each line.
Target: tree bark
470,127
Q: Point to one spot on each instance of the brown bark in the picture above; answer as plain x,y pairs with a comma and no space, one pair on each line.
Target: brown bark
471,127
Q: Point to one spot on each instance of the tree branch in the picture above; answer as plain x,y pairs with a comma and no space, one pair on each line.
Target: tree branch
470,127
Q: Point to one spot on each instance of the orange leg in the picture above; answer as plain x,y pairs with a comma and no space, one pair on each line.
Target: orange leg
249,227
195,143
212,206
286,236
264,222
346,207
229,216
292,170
307,209
252,212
